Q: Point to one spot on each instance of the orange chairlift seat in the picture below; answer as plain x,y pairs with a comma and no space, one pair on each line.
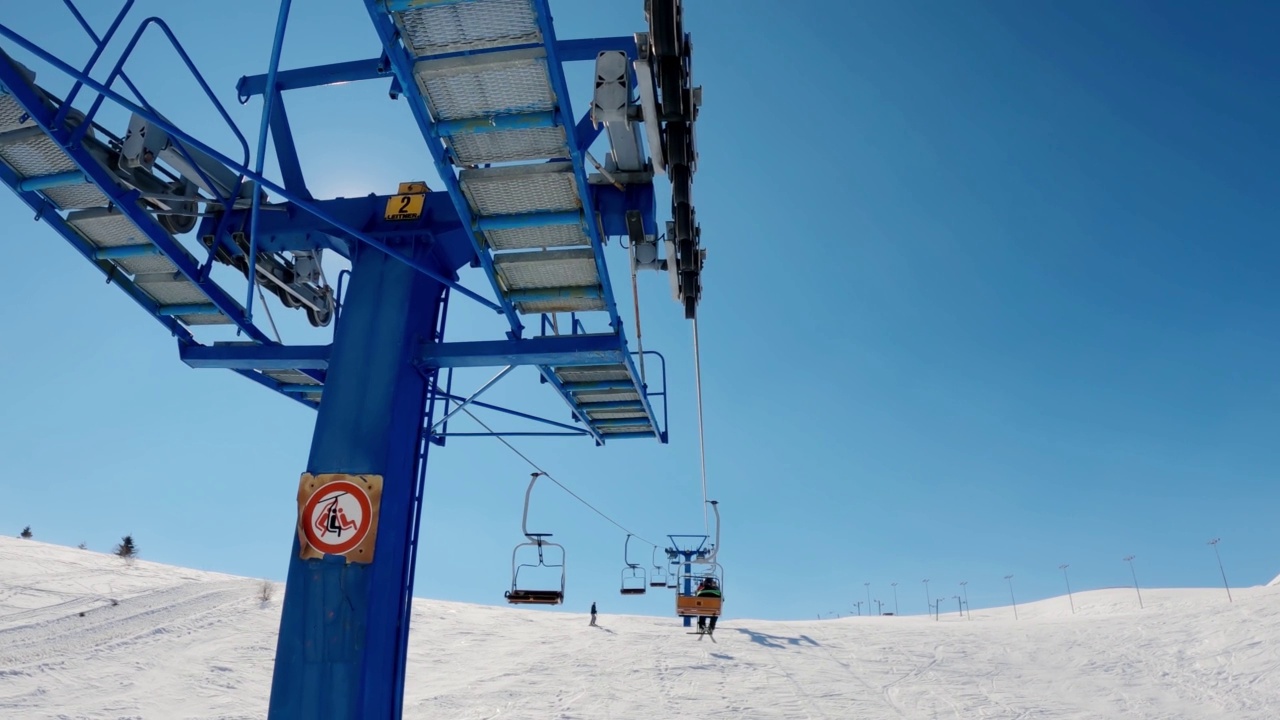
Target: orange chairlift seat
703,605
706,605
535,596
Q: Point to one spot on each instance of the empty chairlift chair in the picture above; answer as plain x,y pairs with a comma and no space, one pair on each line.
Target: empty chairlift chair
633,576
658,576
541,595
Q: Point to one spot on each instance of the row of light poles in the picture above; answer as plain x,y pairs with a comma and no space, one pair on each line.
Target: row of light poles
963,603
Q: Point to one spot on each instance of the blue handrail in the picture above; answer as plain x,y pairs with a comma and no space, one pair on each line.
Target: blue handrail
118,71
269,101
100,45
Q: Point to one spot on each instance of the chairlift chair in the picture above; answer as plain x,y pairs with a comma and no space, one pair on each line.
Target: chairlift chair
658,576
633,576
535,596
695,606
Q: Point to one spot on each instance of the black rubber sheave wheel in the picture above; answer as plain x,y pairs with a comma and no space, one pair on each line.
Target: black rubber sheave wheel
666,27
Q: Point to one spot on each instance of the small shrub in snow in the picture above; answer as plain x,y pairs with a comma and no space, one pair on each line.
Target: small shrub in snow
126,549
26,532
83,546
266,591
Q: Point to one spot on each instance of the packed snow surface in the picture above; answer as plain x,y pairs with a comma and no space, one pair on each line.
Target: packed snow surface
84,636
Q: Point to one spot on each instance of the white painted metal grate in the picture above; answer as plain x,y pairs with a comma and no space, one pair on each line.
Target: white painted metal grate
638,415
218,319
518,189
36,156
638,427
506,84
147,264
106,229
475,25
75,197
171,289
542,236
510,145
558,305
12,114
549,269
592,373
606,396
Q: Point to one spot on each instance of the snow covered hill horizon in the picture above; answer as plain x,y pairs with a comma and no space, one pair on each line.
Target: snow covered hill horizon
82,635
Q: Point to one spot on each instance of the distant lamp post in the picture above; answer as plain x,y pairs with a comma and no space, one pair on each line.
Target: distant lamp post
879,607
1009,578
959,605
964,586
1129,559
859,606
867,585
927,600
895,598
1063,567
1214,542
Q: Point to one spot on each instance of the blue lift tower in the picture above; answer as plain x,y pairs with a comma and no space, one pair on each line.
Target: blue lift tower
525,203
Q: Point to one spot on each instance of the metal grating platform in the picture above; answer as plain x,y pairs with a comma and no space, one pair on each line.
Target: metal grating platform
211,319
12,115
518,189
31,153
542,236
509,145
104,228
596,396
171,288
534,307
547,270
74,197
475,25
592,373
501,84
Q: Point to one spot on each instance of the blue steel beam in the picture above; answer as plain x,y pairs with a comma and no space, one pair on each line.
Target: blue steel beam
588,48
558,351
240,356
287,151
294,228
514,413
340,649
318,76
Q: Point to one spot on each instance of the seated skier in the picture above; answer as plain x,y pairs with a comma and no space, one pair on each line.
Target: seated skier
707,588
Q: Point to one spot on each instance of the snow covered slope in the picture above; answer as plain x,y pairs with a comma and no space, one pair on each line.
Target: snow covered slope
184,644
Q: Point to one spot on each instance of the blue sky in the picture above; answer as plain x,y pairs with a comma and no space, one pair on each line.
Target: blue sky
990,288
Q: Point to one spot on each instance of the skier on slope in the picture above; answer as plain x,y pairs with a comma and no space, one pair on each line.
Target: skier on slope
708,588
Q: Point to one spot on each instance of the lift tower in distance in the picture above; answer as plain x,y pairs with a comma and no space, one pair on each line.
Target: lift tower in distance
522,205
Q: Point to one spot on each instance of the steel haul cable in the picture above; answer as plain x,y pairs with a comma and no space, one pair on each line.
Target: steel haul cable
550,477
702,441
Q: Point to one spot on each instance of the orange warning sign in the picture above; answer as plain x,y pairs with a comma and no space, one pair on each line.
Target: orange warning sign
338,515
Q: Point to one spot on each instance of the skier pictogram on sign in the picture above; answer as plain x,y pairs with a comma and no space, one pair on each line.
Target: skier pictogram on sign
338,515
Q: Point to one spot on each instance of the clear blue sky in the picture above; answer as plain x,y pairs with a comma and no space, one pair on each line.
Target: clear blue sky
990,288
